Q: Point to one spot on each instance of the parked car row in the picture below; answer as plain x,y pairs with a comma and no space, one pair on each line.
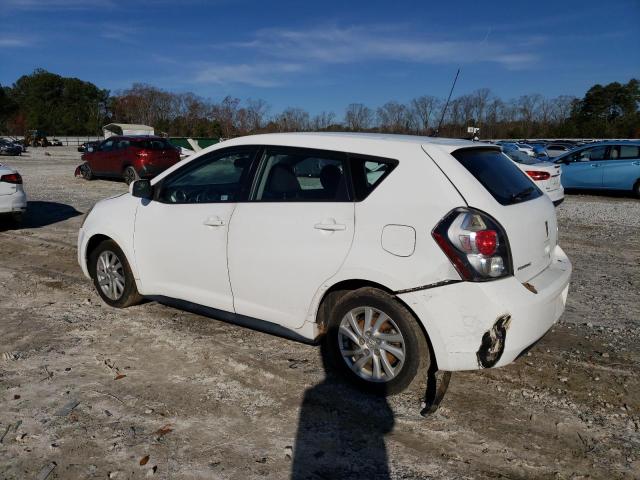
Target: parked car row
11,147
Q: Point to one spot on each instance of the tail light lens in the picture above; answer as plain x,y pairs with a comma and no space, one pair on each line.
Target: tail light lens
143,154
14,178
536,175
476,245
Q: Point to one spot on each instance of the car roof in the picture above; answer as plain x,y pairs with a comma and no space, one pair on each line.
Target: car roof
342,140
135,137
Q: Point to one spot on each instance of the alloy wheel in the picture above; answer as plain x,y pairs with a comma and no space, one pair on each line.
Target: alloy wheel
371,344
110,275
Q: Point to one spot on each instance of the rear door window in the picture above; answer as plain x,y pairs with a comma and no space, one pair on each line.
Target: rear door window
153,144
302,175
625,152
498,174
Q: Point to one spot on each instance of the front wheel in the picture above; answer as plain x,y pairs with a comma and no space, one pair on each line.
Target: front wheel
86,172
130,175
376,343
636,189
112,275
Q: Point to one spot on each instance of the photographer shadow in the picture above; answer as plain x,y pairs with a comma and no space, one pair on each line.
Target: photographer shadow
341,432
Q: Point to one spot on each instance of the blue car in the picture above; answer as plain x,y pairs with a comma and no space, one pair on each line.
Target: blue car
604,165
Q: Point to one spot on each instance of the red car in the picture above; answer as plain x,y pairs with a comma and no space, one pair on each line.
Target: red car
129,158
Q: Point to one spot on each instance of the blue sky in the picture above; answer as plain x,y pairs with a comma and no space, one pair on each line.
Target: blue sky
324,55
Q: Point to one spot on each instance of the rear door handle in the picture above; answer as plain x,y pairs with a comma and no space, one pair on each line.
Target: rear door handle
214,221
635,163
330,227
594,165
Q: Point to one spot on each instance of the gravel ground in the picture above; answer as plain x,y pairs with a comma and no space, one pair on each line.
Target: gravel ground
87,391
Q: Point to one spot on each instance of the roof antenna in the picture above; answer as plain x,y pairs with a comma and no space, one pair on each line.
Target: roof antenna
444,110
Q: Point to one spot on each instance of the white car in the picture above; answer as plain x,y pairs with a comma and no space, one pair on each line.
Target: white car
525,148
13,199
545,174
400,252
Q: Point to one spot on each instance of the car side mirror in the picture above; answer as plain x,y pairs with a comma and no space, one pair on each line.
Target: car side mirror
142,189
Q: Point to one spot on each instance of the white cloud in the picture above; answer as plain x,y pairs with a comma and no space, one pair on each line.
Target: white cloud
358,44
56,4
256,75
9,42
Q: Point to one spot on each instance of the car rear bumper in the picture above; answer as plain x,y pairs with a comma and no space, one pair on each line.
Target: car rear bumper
556,195
13,203
489,324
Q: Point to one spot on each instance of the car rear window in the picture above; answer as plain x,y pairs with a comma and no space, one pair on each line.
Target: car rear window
499,175
152,144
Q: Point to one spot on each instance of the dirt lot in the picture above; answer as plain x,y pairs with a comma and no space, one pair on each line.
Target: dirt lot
153,391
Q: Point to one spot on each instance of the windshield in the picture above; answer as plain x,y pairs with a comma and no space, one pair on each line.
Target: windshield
521,157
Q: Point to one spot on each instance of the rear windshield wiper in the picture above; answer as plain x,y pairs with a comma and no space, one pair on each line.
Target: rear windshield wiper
522,194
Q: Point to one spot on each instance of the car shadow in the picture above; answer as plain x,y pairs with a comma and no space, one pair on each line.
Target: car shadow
599,192
341,432
40,214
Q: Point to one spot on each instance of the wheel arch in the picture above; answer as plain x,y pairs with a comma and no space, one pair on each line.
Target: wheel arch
333,294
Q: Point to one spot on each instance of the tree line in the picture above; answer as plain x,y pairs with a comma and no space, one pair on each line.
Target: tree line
69,106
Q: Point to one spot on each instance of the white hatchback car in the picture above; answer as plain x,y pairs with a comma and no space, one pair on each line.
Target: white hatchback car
13,199
400,252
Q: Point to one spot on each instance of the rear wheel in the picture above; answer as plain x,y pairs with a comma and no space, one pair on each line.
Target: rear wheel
130,175
112,275
375,342
636,189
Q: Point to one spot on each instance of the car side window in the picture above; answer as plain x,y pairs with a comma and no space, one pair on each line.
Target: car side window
122,144
368,173
106,146
588,154
625,152
217,177
302,175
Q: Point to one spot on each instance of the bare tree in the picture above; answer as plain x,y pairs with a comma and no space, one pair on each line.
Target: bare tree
257,112
323,120
358,117
293,120
393,117
422,110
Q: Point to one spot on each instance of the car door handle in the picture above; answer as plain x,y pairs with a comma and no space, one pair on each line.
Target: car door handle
330,227
593,165
214,222
635,163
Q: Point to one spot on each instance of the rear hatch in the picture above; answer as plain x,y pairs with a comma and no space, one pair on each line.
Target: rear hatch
5,187
157,152
489,181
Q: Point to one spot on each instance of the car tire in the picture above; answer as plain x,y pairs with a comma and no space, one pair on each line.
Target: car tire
17,218
384,373
636,189
112,276
87,173
130,175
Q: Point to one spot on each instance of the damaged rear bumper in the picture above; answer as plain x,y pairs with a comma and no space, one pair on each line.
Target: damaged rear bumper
481,325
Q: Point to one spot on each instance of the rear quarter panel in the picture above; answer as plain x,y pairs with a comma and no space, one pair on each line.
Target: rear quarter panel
415,195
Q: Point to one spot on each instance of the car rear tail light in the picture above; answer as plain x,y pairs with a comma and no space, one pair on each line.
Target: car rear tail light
475,243
14,178
536,175
142,153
